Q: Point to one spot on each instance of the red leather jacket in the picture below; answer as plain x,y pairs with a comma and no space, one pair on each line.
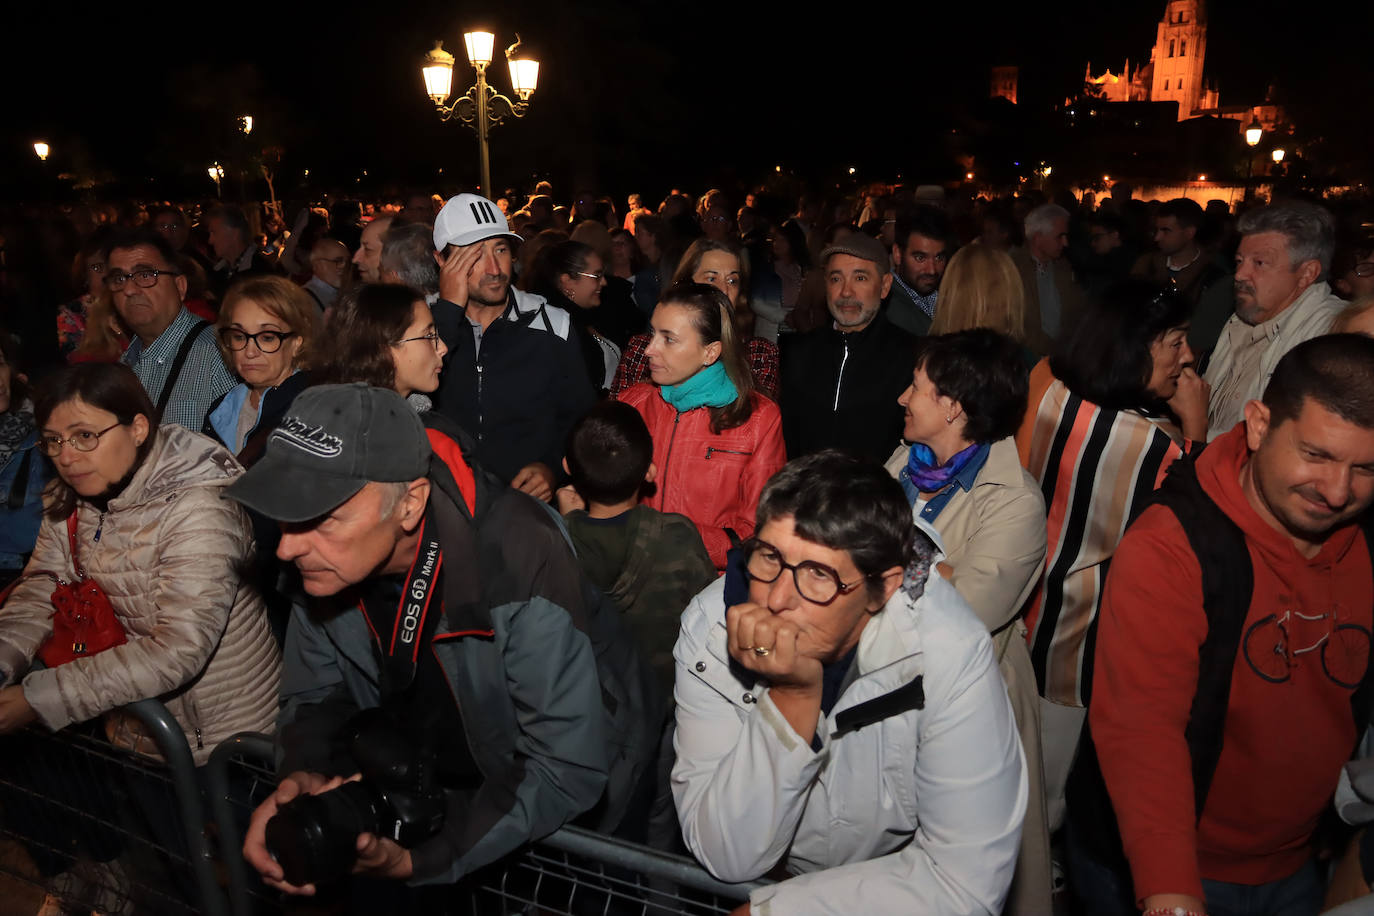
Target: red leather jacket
712,478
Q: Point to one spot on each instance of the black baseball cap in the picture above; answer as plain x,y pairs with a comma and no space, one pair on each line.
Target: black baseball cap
332,442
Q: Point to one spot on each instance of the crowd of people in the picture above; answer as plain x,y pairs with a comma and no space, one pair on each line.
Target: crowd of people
909,554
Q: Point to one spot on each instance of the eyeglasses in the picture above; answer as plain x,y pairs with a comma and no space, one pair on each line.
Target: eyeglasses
84,441
1364,269
597,277
815,582
146,277
432,337
266,341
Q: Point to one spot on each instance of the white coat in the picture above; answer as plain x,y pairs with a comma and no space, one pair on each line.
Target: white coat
907,807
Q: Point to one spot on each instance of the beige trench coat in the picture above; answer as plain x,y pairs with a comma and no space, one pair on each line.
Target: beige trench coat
994,542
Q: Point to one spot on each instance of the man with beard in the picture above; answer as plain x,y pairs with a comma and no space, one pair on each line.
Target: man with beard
1281,300
511,378
840,383
173,352
1235,628
920,251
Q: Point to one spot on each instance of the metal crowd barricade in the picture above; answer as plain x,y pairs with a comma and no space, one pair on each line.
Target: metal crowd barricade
573,872
111,831
104,828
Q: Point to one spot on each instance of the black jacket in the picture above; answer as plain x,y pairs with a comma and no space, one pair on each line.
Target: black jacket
840,390
518,396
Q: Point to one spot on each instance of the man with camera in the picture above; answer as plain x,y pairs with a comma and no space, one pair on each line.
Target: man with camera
468,693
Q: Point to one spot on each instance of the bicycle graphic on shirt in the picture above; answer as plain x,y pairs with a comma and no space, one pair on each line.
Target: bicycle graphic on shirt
1343,648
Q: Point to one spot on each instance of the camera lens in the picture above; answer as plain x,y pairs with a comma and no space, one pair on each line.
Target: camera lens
314,837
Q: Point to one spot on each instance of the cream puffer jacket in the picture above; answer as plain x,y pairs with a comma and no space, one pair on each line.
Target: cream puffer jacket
168,552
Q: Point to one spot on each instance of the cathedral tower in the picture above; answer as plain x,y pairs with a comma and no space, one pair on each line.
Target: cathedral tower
1180,46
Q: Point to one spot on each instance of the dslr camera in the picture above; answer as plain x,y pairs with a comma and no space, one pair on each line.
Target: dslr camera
314,837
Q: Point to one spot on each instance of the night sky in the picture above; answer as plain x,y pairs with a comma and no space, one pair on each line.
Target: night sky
633,95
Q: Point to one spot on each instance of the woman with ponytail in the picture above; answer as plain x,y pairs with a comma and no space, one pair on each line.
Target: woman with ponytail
716,439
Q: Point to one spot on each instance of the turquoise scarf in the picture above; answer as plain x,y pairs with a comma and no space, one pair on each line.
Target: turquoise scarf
710,387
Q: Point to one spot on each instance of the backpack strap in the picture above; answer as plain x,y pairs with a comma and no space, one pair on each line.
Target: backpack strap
174,375
1227,588
1362,700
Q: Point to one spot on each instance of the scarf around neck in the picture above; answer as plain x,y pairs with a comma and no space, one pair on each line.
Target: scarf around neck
926,475
710,387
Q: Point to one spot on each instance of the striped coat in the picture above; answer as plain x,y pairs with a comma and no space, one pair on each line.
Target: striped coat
1097,469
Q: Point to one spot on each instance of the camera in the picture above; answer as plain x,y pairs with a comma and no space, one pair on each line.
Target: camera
314,837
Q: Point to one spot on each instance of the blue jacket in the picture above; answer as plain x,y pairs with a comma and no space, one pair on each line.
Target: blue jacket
21,502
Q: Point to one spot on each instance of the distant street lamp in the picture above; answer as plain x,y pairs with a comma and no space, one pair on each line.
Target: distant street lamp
41,150
246,124
1278,155
481,107
216,173
1253,133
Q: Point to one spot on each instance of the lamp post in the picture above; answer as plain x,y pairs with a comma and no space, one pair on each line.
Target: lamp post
481,107
216,173
40,149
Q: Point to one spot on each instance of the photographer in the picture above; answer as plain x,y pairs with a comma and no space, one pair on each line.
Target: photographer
499,672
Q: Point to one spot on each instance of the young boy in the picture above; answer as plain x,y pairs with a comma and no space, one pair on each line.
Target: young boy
649,563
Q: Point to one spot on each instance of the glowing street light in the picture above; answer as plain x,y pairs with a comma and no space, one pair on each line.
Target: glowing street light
1277,154
481,107
246,124
41,150
1254,132
216,173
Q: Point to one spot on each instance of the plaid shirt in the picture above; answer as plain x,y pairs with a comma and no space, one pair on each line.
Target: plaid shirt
203,377
634,365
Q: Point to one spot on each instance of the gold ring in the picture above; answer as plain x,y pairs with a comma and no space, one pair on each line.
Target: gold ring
761,651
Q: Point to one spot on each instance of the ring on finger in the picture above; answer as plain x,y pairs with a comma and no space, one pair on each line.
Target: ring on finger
761,651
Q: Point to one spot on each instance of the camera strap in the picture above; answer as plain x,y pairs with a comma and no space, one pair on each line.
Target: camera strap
414,623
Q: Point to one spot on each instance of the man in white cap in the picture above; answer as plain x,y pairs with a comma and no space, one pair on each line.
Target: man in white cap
511,377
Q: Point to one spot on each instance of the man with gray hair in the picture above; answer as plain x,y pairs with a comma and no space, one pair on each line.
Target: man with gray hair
1281,300
328,261
1054,299
408,258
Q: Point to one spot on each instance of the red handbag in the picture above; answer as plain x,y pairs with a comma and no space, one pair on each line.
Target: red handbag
83,621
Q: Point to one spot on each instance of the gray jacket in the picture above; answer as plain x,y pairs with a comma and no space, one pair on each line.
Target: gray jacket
555,705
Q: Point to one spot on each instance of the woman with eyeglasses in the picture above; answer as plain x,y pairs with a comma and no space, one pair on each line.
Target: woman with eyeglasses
572,276
137,510
266,331
384,335
840,719
143,508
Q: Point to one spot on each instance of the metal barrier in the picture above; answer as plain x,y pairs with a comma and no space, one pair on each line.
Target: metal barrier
109,830
104,828
574,871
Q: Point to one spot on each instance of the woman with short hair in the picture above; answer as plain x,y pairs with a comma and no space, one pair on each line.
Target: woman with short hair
266,331
964,482
840,720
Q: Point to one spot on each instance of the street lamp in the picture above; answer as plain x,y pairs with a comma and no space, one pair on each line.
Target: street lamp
216,173
246,124
41,150
1277,154
481,107
1254,132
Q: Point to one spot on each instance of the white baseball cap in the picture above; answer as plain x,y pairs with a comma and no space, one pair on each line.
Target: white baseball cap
468,219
